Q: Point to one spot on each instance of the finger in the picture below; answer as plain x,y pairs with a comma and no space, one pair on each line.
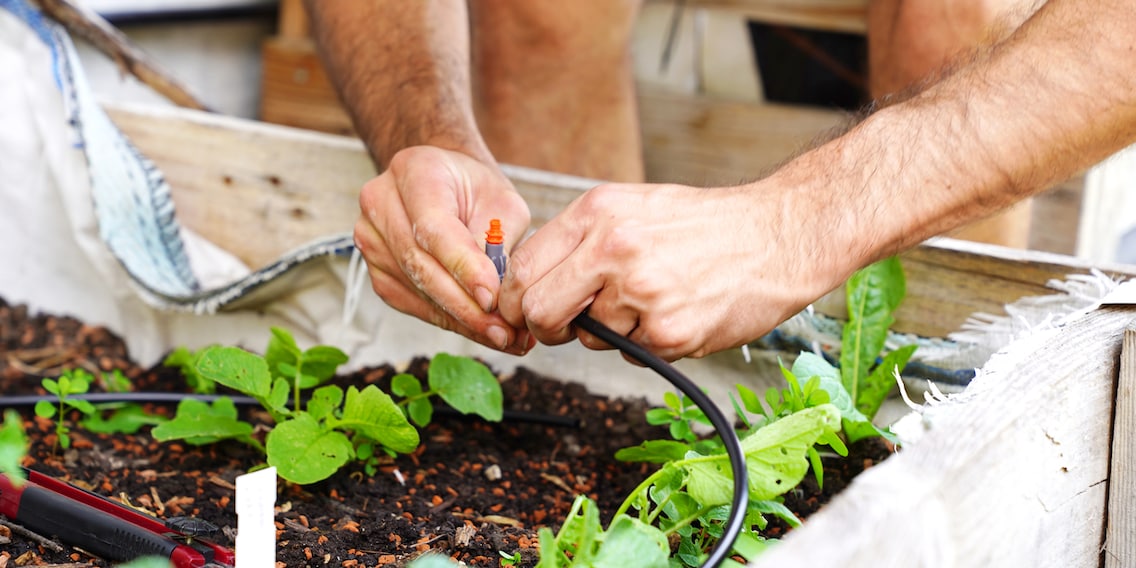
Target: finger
394,285
543,300
448,240
621,320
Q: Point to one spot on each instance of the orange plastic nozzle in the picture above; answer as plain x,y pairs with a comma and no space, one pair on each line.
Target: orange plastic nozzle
495,236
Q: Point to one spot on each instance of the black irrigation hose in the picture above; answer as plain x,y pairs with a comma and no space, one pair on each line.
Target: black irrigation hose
725,429
7,401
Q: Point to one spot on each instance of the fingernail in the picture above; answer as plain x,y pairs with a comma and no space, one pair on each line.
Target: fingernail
484,298
498,336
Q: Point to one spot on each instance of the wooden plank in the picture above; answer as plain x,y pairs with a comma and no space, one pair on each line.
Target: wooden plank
294,22
282,187
705,141
1013,473
1120,543
831,15
948,280
295,89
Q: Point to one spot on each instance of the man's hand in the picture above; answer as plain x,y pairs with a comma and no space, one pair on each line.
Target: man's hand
421,232
682,271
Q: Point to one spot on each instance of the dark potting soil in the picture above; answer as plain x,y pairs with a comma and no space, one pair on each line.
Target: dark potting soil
471,489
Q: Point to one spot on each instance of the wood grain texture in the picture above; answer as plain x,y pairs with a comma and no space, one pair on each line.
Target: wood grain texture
282,187
1120,543
1014,476
705,142
295,89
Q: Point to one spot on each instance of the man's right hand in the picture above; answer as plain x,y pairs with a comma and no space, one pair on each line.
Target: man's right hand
421,232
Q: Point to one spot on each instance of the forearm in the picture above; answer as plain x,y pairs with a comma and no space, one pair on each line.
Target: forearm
402,70
1055,97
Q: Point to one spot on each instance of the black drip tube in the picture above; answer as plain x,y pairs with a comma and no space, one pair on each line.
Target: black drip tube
725,429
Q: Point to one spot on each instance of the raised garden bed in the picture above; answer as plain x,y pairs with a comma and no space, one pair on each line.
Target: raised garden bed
1020,462
471,490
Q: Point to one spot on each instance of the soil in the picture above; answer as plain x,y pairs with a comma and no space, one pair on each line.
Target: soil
471,490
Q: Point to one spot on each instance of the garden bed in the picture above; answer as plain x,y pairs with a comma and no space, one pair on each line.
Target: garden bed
561,444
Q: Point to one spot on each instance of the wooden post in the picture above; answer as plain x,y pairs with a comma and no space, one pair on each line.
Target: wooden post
1120,534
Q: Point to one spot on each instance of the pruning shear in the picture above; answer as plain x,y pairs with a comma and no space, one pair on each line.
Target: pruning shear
107,529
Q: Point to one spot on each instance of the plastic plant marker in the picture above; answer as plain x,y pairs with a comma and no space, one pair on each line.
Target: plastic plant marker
256,530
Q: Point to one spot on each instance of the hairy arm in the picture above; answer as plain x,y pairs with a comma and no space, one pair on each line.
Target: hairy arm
1055,97
687,272
402,70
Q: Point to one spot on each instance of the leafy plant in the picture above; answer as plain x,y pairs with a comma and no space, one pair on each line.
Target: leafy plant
13,447
186,360
313,438
71,382
873,294
508,559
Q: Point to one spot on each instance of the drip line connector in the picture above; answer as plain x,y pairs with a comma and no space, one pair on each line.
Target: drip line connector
495,246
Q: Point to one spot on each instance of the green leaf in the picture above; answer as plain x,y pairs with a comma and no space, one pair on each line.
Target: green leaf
282,348
420,411
126,420
324,401
304,452
750,546
13,447
81,405
322,361
115,381
750,401
872,294
775,458
200,423
879,384
277,401
630,540
51,386
659,416
405,384
372,413
186,360
654,451
44,409
581,530
466,385
550,554
237,369
776,508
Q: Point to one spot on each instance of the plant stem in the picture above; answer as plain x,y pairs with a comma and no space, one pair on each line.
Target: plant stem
406,401
686,521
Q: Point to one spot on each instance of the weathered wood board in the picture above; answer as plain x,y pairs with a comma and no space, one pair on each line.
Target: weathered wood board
294,186
1014,476
1120,536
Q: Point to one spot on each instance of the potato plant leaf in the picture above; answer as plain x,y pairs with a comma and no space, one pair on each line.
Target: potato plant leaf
466,385
237,369
371,412
200,423
303,451
186,361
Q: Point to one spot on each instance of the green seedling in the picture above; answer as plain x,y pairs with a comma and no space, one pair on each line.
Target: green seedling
508,559
71,382
186,361
13,447
312,441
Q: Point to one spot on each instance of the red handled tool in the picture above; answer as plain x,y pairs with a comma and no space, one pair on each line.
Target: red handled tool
79,518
